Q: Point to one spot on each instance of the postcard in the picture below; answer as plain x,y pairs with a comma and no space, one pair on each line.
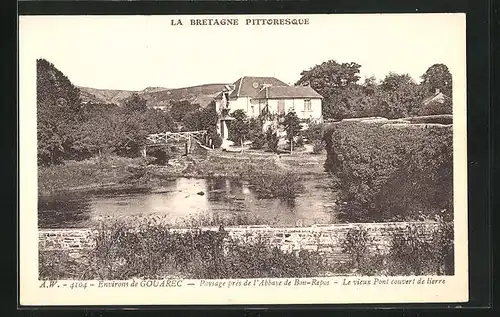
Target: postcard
242,159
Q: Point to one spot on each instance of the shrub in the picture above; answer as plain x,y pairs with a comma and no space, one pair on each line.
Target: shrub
216,140
272,140
330,151
417,252
392,172
221,218
418,249
258,141
356,245
318,146
285,186
314,132
299,141
410,252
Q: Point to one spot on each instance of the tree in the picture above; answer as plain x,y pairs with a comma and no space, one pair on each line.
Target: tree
97,132
58,114
399,96
331,80
239,127
135,103
272,139
370,85
158,121
435,77
328,75
291,124
179,109
204,119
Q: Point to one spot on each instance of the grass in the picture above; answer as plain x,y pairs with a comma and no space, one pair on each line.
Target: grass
271,177
217,219
150,250
414,251
84,175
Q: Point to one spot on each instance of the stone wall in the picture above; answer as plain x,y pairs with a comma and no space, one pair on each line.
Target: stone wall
327,239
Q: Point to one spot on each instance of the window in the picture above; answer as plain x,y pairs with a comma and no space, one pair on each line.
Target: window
281,106
307,105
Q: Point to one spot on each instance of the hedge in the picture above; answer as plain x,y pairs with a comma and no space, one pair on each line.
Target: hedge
392,171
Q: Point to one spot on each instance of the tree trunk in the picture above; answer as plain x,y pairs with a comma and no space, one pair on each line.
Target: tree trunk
291,146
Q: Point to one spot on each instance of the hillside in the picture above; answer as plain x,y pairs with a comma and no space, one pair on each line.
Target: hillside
155,96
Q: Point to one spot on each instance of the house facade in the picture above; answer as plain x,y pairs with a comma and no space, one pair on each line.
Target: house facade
255,95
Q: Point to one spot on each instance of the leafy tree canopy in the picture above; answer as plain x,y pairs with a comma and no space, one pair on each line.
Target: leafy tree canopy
179,109
291,124
135,103
239,128
437,76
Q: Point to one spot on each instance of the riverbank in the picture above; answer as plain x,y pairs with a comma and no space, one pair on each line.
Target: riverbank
118,173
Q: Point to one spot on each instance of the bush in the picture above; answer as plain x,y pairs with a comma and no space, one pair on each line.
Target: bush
392,172
418,249
356,245
221,218
258,141
285,186
417,252
216,140
330,151
314,132
318,146
272,140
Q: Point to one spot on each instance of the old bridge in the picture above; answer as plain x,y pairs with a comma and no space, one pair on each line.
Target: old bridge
171,138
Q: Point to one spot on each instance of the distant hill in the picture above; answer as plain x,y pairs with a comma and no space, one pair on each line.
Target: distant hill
155,96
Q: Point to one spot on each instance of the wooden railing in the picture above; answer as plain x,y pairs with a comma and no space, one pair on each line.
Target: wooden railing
164,138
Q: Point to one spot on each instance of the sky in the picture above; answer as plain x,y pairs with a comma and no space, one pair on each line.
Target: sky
135,52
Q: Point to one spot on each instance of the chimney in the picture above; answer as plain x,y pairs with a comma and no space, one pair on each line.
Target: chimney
437,91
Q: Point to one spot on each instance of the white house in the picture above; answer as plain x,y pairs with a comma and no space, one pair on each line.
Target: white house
257,94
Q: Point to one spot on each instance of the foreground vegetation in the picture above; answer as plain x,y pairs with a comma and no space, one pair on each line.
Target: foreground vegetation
151,250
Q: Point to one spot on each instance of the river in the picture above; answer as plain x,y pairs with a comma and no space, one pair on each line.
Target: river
188,202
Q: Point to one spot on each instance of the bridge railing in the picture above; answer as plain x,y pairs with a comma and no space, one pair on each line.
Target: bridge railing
164,138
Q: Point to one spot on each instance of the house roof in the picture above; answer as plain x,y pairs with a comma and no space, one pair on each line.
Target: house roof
436,96
249,86
277,92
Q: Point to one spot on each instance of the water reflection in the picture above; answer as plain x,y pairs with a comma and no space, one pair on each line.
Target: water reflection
70,210
188,201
